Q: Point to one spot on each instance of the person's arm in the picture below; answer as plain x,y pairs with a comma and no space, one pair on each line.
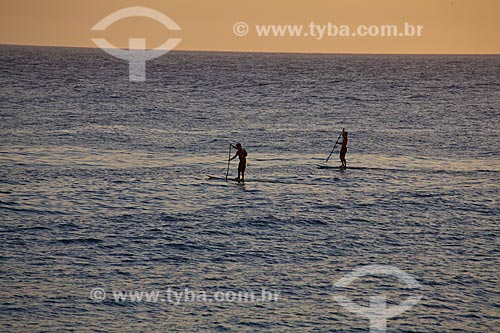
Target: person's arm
341,137
232,158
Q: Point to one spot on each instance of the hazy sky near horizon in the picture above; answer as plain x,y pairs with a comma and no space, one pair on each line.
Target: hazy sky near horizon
449,26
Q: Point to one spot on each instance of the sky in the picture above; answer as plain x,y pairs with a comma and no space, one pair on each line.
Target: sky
448,26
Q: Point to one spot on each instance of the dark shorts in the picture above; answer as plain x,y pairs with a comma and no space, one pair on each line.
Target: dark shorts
242,166
343,152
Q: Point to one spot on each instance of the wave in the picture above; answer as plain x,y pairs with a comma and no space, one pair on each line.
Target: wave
89,240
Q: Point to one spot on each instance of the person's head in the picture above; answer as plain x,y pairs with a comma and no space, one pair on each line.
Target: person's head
238,146
345,134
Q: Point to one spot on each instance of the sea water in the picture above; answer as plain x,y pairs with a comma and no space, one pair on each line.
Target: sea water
103,184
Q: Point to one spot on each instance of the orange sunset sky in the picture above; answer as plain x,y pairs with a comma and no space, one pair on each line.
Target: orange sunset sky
450,26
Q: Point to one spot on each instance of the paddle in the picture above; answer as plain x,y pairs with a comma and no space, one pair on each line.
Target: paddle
336,142
228,161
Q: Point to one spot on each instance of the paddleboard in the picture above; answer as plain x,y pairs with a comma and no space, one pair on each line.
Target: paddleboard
253,180
222,178
330,167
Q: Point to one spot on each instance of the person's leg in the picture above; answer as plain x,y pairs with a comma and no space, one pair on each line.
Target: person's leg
342,158
239,171
243,167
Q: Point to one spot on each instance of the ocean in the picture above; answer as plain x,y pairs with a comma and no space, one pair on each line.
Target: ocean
104,189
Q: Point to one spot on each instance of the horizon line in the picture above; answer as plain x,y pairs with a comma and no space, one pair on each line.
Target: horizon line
267,52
